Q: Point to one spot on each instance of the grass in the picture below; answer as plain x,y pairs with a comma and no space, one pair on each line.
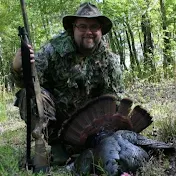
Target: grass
157,98
3,115
155,167
12,142
12,153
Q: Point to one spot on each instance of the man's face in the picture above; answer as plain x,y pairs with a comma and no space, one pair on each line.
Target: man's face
87,34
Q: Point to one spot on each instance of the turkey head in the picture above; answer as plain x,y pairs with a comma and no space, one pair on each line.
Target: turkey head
101,114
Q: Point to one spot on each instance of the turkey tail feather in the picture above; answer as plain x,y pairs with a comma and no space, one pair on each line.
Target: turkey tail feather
140,119
100,114
125,107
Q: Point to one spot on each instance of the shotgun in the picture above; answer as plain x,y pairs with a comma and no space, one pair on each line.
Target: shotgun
34,103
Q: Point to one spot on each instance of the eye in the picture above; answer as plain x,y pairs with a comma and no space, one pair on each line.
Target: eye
95,27
82,26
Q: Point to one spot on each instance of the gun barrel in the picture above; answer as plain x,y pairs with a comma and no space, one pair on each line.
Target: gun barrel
25,19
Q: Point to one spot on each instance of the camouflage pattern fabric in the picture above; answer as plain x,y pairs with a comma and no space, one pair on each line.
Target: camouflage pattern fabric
73,80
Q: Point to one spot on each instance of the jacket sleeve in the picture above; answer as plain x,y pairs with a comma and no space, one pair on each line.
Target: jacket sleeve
17,77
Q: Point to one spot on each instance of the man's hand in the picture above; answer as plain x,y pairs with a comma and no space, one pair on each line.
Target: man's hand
17,61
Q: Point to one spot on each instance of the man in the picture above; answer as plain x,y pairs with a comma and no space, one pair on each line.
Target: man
74,67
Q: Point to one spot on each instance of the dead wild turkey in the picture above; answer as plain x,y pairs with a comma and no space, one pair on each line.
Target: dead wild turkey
118,152
101,114
109,136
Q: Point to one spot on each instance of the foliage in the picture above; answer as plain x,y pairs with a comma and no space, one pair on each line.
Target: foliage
157,98
45,21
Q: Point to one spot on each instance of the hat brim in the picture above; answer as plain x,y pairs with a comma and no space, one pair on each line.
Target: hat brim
105,22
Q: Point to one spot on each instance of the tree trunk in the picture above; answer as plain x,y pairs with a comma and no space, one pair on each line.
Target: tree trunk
116,45
132,49
167,58
111,41
132,60
148,47
120,48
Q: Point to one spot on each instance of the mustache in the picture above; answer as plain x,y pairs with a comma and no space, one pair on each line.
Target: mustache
88,36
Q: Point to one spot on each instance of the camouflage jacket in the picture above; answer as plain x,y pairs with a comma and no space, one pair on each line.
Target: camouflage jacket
72,80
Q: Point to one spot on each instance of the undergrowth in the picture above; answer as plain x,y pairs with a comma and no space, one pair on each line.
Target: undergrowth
157,98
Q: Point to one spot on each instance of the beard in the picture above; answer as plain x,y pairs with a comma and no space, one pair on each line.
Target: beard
88,45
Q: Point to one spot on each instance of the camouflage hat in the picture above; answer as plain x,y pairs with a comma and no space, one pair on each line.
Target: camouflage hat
88,10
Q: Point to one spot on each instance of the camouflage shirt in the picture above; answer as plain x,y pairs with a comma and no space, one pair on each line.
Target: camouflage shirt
72,79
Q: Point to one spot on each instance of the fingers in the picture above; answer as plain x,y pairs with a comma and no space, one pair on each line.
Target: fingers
29,46
32,61
17,62
32,56
30,49
31,53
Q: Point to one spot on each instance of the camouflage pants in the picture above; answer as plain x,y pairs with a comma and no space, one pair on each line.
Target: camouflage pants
49,116
48,125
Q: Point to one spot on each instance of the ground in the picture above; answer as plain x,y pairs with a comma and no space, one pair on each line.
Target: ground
158,99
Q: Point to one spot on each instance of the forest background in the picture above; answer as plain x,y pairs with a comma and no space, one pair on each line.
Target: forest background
143,35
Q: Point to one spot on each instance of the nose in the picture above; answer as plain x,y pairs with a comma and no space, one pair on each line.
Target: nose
88,30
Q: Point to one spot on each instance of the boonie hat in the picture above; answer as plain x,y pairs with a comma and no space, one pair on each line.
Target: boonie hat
88,10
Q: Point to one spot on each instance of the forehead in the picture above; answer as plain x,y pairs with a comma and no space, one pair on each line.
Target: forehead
87,21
